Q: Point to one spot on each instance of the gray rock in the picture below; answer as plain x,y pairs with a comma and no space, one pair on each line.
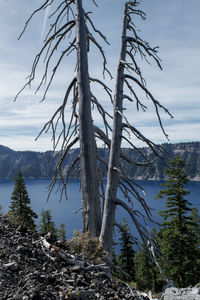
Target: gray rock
182,294
21,249
13,266
76,268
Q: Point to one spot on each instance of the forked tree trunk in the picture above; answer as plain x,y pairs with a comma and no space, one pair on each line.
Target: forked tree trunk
88,163
113,168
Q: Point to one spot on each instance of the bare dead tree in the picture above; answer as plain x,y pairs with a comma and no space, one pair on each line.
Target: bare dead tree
129,76
70,22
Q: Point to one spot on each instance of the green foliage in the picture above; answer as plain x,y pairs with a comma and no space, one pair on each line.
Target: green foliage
20,210
90,247
179,235
193,273
194,226
61,233
142,271
147,276
126,258
46,223
178,238
177,206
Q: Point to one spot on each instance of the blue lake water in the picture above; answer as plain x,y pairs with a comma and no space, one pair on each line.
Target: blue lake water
63,212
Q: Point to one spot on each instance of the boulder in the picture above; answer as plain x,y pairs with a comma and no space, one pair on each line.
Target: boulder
173,293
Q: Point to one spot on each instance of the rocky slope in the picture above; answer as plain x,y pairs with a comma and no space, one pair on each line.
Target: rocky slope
42,165
31,269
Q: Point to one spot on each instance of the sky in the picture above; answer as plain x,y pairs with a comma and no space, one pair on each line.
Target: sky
172,25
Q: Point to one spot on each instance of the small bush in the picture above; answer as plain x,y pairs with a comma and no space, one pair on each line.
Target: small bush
89,247
12,218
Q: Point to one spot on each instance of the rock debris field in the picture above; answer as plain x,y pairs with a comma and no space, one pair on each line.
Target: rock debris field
32,267
37,268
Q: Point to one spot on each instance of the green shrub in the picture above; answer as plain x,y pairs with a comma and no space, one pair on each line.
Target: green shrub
88,246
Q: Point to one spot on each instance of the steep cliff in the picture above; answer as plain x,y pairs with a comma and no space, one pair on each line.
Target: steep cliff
42,165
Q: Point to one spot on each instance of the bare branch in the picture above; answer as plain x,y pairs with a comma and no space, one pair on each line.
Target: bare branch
155,102
138,102
102,112
43,6
150,51
71,167
57,9
140,136
137,196
106,88
58,170
95,3
59,111
52,52
94,28
141,229
93,40
136,69
102,136
31,77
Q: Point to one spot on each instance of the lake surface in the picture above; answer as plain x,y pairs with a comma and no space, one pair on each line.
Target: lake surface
63,212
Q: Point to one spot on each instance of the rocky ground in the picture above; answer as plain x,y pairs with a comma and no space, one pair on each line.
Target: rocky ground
31,268
37,268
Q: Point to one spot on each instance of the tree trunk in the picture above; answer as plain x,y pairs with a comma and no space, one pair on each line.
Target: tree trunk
113,168
88,163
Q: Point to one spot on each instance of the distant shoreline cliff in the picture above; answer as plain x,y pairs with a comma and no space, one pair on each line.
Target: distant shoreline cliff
41,165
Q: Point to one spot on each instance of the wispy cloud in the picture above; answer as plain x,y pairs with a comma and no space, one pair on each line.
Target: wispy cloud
47,11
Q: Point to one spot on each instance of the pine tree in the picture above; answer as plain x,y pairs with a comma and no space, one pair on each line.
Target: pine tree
61,233
46,223
195,220
193,273
147,274
20,209
144,267
177,242
127,253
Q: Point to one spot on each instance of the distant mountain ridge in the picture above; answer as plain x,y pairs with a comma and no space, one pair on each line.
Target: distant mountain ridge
42,165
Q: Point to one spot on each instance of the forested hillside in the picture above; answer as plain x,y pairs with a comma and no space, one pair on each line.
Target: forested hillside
42,165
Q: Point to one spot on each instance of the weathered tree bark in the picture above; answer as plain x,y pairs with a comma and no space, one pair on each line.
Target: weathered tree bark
131,45
88,162
68,18
113,167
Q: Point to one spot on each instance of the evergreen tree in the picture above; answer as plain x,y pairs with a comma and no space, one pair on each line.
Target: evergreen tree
127,253
46,223
20,209
147,274
193,273
177,242
195,228
61,233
